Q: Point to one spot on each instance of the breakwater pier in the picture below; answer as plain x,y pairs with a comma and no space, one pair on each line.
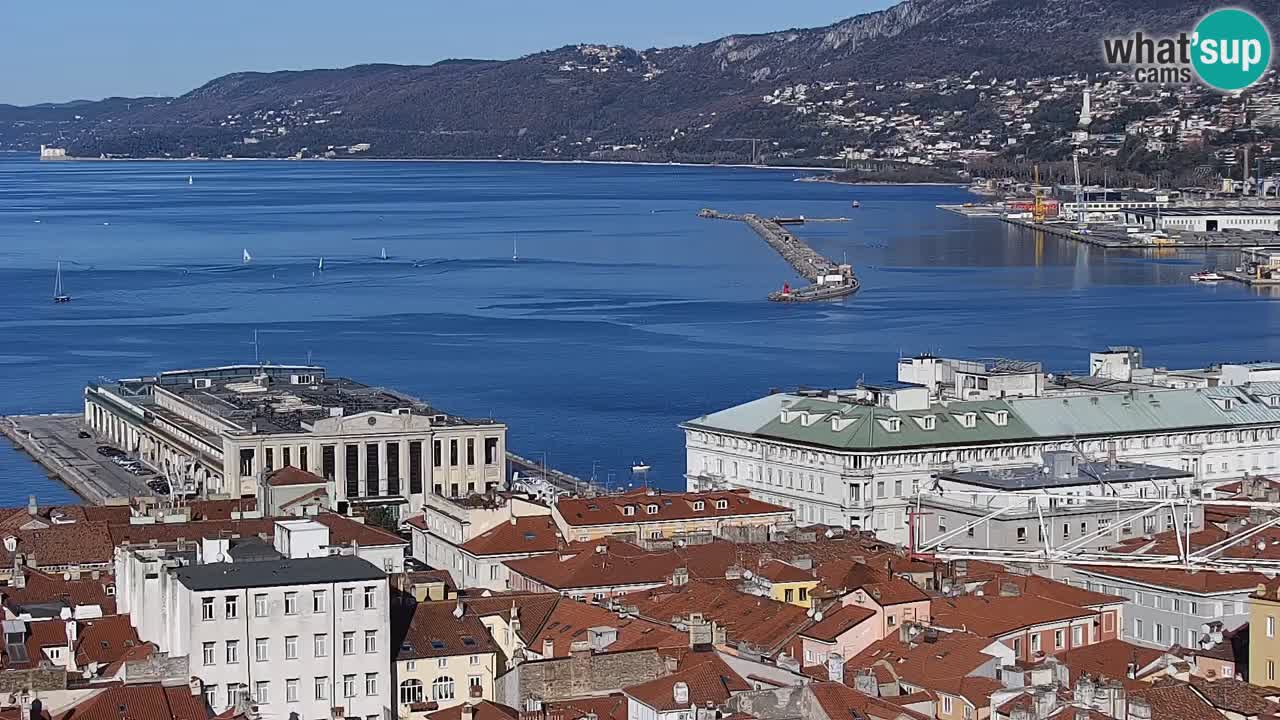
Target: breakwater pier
829,279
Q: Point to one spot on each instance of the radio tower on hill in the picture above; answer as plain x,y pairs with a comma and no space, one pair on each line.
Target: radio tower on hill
1086,114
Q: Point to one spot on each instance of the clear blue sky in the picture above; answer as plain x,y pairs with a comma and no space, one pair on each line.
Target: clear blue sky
57,51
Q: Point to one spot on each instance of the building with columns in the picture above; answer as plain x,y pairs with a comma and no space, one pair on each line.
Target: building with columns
226,428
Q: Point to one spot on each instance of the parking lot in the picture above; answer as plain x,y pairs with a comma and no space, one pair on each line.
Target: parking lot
55,442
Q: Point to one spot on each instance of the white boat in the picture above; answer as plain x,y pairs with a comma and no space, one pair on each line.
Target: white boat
514,254
191,180
1207,276
246,258
59,293
320,267
384,253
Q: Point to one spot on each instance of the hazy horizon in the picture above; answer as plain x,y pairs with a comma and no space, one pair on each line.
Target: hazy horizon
149,48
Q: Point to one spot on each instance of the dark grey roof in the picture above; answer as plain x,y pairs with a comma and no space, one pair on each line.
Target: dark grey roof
268,573
252,549
1033,477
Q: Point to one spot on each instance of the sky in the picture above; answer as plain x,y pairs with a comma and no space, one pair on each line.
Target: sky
89,49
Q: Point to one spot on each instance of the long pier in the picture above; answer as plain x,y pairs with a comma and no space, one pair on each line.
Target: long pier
829,279
54,442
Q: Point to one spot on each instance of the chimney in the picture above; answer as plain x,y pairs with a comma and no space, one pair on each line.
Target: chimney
32,508
73,635
196,685
679,693
835,668
548,648
1131,671
468,712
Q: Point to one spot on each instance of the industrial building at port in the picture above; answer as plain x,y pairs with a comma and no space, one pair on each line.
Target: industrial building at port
857,457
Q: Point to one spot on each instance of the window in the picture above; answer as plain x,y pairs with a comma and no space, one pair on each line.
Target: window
410,692
260,649
1022,535
442,663
474,659
206,609
442,688
471,451
321,643
260,605
291,690
652,509
1271,626
349,685
233,607
235,691
211,695
946,705
1193,607
968,712
322,688
370,597
1271,669
1035,642
1137,628
1017,647
291,647
628,510
371,684
474,681
319,601
348,598
262,691
1059,639
371,641
698,505
1077,636
722,504
291,603
208,653
233,652
349,643
880,489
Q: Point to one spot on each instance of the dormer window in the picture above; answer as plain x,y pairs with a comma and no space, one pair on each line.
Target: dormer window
1001,418
698,505
722,504
652,509
893,424
628,510
928,422
968,420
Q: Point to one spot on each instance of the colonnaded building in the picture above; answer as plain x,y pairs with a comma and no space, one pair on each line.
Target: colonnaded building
230,427
855,458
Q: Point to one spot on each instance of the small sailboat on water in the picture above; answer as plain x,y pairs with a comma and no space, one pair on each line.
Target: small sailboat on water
59,293
320,267
515,255
384,253
191,180
246,258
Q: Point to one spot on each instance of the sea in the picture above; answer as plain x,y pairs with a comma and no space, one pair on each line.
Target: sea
585,305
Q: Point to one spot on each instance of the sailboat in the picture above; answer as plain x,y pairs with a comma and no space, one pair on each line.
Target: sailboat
320,267
191,180
384,253
514,255
59,293
247,258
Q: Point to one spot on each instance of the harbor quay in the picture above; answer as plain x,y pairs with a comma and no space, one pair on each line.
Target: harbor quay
829,280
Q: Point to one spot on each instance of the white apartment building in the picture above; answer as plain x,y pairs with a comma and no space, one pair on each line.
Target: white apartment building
855,457
443,532
299,632
233,425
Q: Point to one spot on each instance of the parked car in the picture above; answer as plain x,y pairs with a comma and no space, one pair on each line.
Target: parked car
84,435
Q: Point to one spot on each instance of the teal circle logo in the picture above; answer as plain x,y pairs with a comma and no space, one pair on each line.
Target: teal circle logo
1231,49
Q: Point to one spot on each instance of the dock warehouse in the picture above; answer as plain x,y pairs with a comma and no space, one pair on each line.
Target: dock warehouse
1205,219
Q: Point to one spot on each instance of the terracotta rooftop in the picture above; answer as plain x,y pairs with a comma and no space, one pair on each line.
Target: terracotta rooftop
843,576
140,702
482,710
290,475
1236,696
571,621
342,531
709,679
41,588
434,631
533,610
838,622
758,621
521,536
778,571
661,506
1171,698
1040,586
941,666
840,702
1110,658
994,616
608,707
620,564
80,543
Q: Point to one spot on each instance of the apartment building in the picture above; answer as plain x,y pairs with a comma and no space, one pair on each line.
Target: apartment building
290,628
473,537
653,514
227,428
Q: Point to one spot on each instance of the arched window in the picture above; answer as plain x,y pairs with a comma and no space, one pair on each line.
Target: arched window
410,692
442,688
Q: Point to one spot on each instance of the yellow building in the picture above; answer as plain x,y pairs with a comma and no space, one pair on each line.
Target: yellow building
648,514
1264,637
446,657
785,582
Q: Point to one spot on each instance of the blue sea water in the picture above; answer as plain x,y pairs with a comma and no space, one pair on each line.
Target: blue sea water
624,315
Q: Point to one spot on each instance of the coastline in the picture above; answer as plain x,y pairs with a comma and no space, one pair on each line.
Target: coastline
740,166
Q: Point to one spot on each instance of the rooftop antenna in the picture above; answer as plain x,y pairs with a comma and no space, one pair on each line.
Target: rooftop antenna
640,471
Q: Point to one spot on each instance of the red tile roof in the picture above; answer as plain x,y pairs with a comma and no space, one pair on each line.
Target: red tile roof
1110,658
993,616
709,679
839,701
783,572
1040,586
483,710
942,666
842,576
435,631
758,621
290,475
609,509
533,610
80,543
609,707
838,622
139,702
1174,699
342,531
1236,696
40,588
570,621
621,565
521,536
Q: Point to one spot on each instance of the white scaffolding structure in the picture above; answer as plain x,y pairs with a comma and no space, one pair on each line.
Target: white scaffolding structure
1135,510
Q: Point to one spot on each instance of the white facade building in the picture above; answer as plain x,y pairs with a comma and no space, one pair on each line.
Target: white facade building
854,458
297,634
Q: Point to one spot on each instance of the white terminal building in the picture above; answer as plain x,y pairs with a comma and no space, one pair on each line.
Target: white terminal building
234,425
293,629
857,457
